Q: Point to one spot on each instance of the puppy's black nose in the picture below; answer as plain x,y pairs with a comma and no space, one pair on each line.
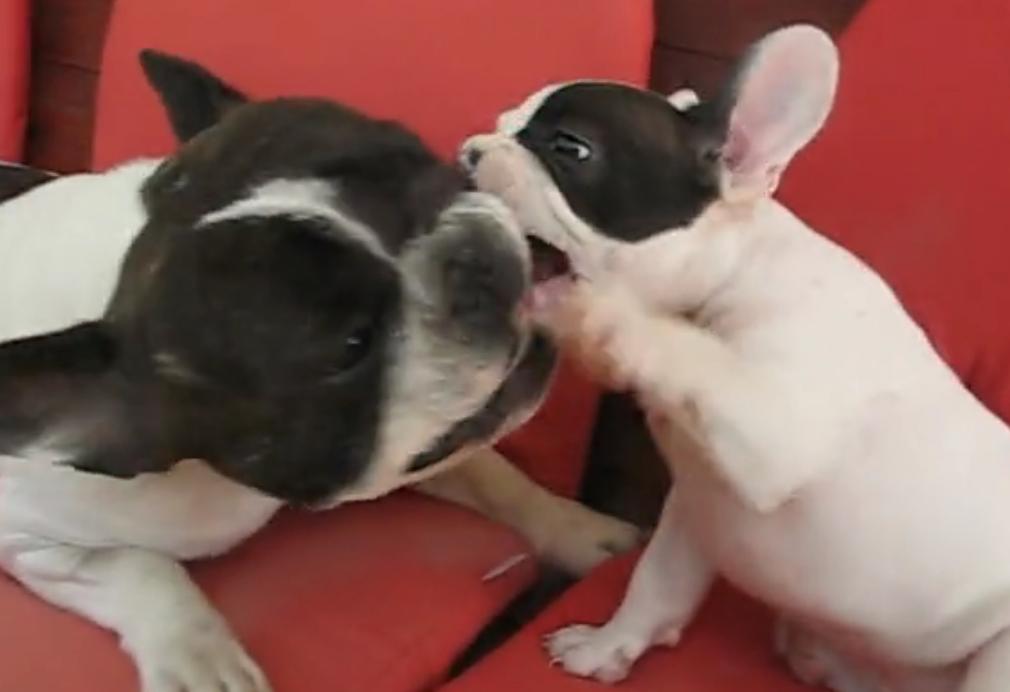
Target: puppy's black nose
473,157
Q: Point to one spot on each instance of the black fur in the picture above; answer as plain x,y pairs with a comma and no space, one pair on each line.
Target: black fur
194,98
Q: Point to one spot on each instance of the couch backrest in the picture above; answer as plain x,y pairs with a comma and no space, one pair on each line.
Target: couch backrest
14,28
913,172
444,67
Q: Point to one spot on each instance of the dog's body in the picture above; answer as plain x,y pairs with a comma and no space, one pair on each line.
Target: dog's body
827,461
302,305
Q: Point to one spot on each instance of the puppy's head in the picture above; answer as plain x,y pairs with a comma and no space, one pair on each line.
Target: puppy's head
618,177
316,306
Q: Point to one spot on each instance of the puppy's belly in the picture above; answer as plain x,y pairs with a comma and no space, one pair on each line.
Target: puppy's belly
911,572
188,513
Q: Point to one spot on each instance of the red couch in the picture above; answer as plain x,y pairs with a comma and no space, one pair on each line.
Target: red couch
911,174
14,29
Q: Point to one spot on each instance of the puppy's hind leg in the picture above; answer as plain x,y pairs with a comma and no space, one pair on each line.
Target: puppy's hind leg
562,531
814,662
989,669
178,641
668,585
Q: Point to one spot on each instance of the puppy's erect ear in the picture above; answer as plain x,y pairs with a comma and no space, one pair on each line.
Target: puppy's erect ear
64,400
193,97
776,101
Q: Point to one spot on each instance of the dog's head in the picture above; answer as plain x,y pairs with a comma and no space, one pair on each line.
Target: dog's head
618,178
316,306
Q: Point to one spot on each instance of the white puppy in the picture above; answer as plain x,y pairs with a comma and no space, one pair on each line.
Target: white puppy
827,460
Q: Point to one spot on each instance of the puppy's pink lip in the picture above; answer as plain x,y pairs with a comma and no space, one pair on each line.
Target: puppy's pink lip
546,295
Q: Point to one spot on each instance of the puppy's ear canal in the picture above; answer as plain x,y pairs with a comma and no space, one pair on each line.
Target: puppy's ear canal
776,100
62,396
193,97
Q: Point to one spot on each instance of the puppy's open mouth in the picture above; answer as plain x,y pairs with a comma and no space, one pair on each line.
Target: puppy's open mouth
548,261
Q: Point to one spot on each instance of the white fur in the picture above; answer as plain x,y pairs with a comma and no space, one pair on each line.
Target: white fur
297,198
684,99
827,460
511,122
74,232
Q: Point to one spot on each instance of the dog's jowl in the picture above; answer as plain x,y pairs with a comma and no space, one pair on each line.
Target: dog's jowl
825,458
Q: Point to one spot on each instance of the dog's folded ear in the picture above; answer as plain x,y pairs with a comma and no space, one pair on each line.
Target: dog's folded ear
64,399
194,98
776,100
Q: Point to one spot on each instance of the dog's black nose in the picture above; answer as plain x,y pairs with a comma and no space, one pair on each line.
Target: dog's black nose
473,157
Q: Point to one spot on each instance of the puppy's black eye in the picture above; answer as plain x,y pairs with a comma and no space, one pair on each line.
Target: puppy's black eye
571,146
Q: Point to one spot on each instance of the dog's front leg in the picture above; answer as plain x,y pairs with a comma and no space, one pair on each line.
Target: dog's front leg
176,638
668,585
562,531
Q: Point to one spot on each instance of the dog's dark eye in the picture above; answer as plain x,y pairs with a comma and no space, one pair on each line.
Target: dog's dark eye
355,347
571,146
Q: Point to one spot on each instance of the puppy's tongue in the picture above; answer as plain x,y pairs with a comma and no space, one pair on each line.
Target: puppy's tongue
551,278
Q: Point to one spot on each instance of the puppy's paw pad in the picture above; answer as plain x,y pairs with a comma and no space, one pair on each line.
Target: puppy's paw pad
605,654
198,659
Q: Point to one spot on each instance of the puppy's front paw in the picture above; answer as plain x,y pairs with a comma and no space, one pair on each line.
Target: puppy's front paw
577,538
200,657
589,324
605,654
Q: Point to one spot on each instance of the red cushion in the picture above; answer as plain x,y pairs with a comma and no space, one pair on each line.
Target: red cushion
726,650
14,26
343,601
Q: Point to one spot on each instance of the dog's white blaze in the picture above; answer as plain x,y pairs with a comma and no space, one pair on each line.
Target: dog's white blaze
74,232
297,198
512,121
